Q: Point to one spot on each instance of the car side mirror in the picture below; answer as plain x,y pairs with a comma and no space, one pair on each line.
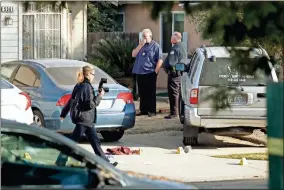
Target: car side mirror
180,67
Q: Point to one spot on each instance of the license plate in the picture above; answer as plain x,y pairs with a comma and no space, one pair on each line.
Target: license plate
240,100
105,104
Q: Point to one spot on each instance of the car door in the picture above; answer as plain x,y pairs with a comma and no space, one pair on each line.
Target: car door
184,80
28,80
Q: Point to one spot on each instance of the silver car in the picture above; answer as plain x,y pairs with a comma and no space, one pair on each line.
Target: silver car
210,67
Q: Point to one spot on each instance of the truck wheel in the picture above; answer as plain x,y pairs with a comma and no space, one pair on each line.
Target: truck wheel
181,109
190,141
112,136
190,135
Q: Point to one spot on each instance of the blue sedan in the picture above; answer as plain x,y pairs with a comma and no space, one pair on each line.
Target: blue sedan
50,82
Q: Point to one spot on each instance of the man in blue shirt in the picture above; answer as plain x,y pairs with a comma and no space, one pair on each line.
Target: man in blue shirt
147,66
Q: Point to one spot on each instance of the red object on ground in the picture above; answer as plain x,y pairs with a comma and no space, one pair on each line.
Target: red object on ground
122,150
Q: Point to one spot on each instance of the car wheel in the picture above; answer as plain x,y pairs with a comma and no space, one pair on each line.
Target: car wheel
112,136
181,109
38,118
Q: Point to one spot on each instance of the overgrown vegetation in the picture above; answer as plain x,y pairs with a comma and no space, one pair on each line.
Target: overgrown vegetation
233,24
116,53
101,16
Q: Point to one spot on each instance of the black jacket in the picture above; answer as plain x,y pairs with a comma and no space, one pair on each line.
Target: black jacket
82,105
176,55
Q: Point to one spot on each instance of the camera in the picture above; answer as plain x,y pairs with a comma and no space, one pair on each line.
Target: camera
103,80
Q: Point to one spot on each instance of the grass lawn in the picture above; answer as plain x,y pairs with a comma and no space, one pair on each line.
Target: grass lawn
251,156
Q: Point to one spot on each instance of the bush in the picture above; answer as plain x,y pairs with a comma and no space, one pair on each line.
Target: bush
116,52
112,70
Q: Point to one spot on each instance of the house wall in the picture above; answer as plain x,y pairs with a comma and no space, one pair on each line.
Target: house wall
74,44
10,38
137,18
78,29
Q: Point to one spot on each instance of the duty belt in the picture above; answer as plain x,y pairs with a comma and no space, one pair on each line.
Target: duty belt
173,73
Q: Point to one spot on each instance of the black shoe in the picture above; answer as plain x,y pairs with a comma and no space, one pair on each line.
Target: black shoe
115,164
170,116
141,113
151,114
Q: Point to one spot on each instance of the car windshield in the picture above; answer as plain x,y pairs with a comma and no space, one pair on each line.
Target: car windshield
67,75
5,85
222,73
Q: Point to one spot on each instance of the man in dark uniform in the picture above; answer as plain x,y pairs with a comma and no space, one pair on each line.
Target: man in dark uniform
176,55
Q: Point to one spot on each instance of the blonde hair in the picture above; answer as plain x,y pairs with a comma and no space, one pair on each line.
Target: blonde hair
83,72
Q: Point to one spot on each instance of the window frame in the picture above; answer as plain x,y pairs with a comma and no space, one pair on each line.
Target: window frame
123,20
161,25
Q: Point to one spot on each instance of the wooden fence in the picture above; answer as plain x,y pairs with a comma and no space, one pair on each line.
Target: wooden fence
96,36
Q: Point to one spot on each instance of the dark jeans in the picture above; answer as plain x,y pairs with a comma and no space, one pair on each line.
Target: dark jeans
173,92
91,134
147,92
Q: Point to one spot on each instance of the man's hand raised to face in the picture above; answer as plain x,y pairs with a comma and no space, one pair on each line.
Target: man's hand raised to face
142,42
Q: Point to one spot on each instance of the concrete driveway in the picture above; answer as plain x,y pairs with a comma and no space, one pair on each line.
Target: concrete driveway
159,140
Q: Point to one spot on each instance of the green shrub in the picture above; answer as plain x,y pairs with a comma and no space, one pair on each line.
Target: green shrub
116,52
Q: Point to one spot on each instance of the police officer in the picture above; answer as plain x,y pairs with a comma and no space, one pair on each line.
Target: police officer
176,55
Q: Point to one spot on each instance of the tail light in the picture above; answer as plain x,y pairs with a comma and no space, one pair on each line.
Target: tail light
126,96
63,100
29,103
193,99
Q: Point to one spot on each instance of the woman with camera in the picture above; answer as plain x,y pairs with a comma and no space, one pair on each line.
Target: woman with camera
82,106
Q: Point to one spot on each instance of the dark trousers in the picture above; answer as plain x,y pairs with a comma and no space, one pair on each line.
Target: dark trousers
147,92
93,138
173,92
135,88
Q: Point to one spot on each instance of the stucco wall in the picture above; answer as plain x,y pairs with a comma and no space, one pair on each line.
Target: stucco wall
78,27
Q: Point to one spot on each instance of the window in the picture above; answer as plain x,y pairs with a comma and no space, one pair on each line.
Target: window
170,23
192,61
32,149
25,77
120,22
221,73
67,75
30,160
7,70
41,31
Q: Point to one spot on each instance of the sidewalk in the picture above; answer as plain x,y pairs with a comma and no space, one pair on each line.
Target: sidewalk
192,167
